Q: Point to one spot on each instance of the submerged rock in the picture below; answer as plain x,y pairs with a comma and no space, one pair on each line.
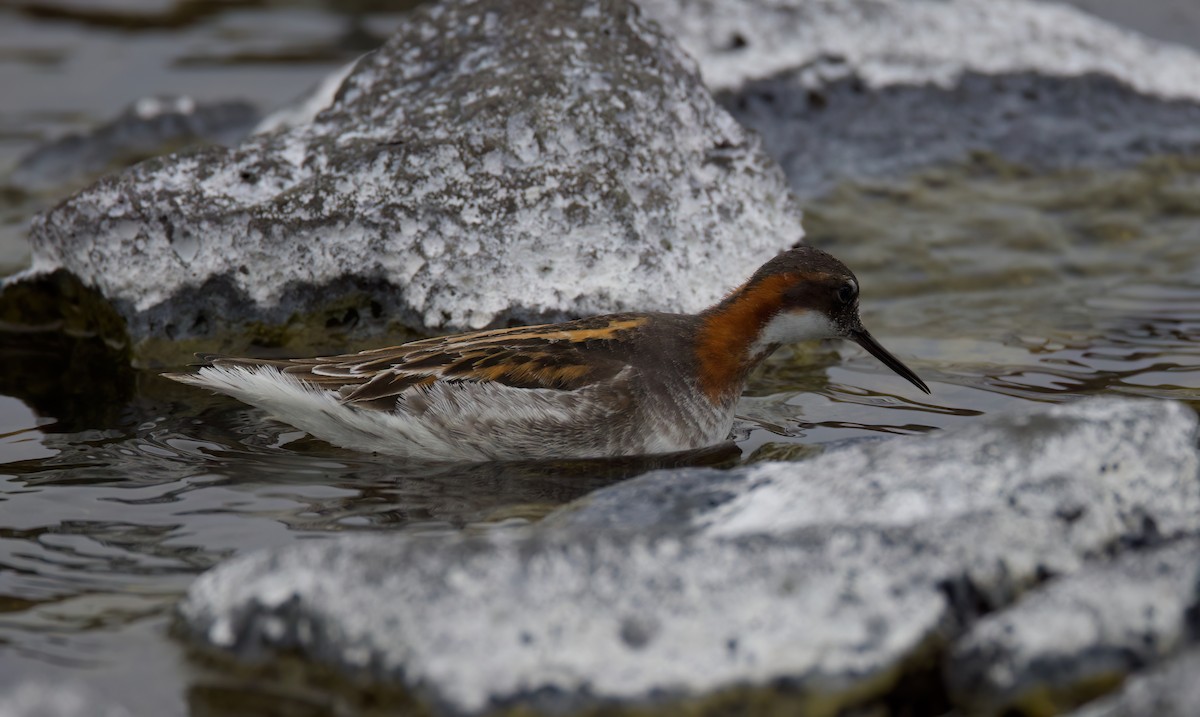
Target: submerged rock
148,127
490,163
866,89
820,582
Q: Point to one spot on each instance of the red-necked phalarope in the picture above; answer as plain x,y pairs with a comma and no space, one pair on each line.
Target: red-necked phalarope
621,384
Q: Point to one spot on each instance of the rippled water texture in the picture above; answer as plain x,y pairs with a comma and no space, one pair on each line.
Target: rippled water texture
998,287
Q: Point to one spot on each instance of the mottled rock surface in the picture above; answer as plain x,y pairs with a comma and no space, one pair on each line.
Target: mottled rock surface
823,580
1168,691
491,162
861,90
1081,632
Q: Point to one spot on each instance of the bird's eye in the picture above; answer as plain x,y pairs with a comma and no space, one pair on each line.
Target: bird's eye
848,292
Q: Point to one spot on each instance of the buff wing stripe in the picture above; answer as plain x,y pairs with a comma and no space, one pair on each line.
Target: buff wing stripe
530,357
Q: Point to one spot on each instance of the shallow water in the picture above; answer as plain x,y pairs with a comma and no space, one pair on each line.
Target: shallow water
997,286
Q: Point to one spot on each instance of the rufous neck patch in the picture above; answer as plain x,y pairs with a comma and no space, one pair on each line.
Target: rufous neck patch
730,330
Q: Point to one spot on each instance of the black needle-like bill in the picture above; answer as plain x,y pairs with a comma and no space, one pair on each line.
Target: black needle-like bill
873,347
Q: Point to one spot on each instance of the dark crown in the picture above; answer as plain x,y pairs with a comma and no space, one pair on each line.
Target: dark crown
803,260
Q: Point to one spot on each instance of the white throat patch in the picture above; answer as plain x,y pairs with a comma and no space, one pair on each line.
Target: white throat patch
791,326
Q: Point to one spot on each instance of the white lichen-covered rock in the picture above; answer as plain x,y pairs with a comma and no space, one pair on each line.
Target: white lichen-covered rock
917,42
825,577
1080,630
862,90
491,162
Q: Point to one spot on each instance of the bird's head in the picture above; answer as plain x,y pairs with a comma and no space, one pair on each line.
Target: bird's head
800,295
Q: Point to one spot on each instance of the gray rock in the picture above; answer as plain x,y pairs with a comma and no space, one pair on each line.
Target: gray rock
917,42
1018,463
45,699
869,89
1170,690
842,133
1080,632
491,162
822,579
148,127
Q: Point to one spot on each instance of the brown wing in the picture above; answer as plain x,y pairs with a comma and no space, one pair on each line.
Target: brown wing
565,357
